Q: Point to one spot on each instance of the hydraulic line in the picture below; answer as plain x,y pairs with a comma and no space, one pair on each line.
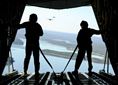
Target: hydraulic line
47,61
12,60
106,60
70,58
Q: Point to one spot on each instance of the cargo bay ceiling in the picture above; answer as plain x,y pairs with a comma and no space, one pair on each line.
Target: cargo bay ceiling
58,4
13,8
105,12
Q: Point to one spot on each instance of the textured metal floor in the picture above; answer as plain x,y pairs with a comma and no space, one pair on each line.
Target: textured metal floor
48,78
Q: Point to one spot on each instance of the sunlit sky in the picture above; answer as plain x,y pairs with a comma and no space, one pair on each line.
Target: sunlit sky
63,20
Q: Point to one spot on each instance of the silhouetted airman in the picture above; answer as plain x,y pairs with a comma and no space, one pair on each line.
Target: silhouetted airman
84,45
33,33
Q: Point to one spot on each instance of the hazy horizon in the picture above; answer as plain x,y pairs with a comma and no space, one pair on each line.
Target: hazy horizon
61,39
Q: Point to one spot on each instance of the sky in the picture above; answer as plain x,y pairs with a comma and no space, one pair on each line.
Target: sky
63,20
